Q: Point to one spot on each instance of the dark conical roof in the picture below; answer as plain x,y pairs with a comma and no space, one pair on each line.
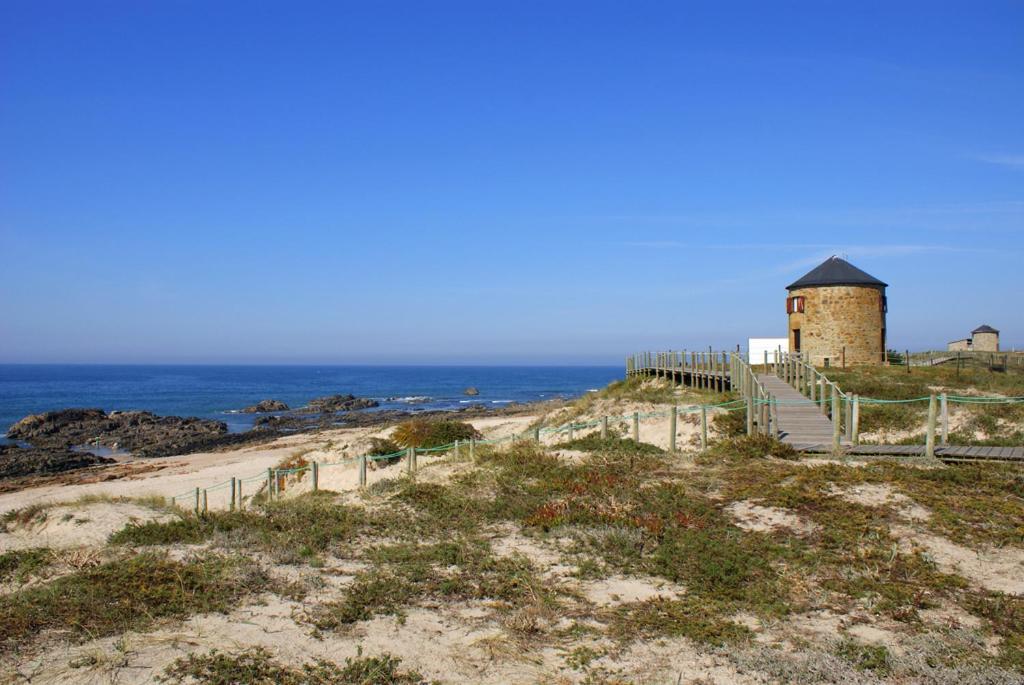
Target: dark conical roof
984,328
836,271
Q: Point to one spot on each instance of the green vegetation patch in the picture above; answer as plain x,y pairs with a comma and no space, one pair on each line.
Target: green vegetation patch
429,433
625,509
257,666
729,424
874,658
850,551
18,565
1002,424
291,531
748,447
126,594
611,445
700,620
407,574
33,513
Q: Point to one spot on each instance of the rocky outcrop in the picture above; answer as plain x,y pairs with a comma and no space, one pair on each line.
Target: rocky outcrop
19,462
140,432
336,403
265,407
471,391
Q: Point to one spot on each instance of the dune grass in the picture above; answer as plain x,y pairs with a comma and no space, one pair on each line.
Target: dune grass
126,594
257,666
298,530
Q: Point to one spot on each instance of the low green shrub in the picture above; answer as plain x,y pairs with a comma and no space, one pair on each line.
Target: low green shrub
751,447
291,531
19,564
127,594
729,424
379,446
429,433
611,445
698,620
256,666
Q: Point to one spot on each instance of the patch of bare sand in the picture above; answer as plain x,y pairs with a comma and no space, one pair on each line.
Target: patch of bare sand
616,590
1001,570
440,643
653,430
755,517
881,494
570,456
182,474
670,660
77,525
823,625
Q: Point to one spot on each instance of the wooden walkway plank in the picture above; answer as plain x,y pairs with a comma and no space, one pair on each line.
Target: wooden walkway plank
802,425
800,420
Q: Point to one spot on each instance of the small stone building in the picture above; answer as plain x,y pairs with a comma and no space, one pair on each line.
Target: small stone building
837,315
983,339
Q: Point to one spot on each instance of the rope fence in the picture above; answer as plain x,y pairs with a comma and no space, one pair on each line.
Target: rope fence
718,371
734,371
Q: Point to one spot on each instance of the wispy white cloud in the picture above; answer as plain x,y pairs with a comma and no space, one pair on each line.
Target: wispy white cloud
1013,161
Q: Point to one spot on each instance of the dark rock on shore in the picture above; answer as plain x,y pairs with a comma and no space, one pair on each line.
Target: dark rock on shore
139,432
19,462
471,391
265,407
336,403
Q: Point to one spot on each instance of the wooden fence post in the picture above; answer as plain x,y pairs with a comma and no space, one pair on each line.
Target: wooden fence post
362,471
836,419
472,449
855,428
703,427
672,430
929,444
945,419
457,450
536,434
241,499
636,427
410,465
231,504
315,473
604,427
750,415
571,432
270,484
848,418
205,502
197,502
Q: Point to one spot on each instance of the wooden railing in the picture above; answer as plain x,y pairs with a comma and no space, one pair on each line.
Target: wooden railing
721,371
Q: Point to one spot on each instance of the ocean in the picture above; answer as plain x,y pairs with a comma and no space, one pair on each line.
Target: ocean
219,392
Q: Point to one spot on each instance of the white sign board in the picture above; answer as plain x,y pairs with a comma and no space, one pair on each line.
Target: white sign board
756,347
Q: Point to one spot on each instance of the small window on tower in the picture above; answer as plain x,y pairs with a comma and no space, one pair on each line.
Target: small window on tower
795,305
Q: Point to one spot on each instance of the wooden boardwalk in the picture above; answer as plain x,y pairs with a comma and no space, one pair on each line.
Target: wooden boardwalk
801,421
943,452
788,388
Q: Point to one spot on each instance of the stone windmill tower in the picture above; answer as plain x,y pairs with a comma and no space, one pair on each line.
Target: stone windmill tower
837,315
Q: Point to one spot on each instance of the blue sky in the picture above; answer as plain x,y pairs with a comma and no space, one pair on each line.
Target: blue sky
497,181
